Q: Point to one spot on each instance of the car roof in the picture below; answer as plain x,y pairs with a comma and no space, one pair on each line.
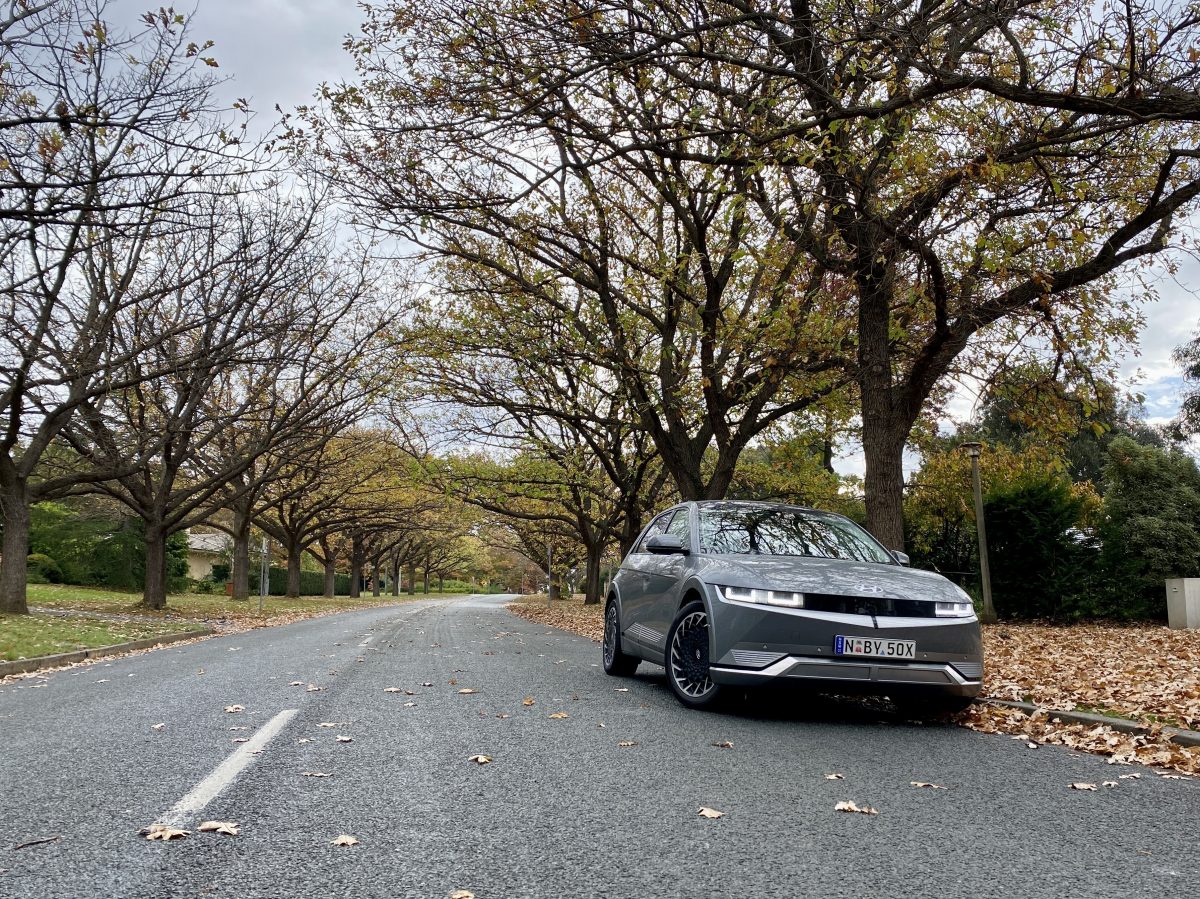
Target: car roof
755,504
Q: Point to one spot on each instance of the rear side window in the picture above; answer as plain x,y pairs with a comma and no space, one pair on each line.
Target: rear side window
657,527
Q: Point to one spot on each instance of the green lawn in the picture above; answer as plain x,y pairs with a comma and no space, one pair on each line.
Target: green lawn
27,636
43,633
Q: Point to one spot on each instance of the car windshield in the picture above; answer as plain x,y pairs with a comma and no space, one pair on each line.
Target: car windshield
785,532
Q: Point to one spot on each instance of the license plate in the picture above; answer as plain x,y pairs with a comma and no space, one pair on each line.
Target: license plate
871,646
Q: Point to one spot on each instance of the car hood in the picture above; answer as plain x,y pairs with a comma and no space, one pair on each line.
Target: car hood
839,577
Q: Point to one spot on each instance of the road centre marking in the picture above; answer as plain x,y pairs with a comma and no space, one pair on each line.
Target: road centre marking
226,772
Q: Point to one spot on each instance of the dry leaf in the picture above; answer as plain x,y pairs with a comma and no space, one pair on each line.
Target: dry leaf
462,894
327,724
919,783
164,832
559,715
392,690
314,774
344,840
724,744
1129,776
849,806
1083,786
235,708
626,743
296,683
706,812
304,740
1172,776
313,688
229,828
527,701
601,724
342,738
835,777
240,740
409,705
503,715
410,692
427,684
465,690
157,726
480,759
622,689
1109,783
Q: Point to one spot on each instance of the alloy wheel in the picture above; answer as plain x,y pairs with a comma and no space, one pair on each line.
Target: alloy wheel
689,656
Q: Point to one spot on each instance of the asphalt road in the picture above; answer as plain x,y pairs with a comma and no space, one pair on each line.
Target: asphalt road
562,810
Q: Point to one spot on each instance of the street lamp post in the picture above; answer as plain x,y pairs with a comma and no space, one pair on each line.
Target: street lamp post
989,610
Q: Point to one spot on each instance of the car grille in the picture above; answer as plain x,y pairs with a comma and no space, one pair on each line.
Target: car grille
869,605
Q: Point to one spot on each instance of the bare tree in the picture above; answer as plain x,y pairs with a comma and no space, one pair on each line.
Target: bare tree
102,136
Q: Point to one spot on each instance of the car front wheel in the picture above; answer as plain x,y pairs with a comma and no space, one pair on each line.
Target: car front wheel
687,658
616,663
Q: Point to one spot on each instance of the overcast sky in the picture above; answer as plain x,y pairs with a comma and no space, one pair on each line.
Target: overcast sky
278,51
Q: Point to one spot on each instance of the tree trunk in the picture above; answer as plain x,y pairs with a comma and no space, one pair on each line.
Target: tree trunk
330,577
293,569
14,565
395,575
412,578
425,573
356,566
591,578
441,584
884,484
553,586
154,595
240,571
377,577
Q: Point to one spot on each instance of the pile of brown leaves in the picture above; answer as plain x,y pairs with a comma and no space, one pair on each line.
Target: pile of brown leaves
1146,672
566,614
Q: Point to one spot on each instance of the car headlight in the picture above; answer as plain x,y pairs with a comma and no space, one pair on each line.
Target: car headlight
964,607
788,599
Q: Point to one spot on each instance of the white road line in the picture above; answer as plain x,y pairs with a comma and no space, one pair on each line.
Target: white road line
226,772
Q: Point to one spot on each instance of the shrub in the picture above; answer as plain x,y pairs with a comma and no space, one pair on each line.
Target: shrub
43,569
1150,526
1041,562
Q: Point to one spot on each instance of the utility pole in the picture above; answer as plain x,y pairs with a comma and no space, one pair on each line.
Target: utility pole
549,570
264,576
989,610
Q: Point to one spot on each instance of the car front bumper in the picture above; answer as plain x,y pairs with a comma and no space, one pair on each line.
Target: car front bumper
754,645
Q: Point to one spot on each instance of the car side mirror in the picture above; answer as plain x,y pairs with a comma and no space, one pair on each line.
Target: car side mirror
900,557
666,545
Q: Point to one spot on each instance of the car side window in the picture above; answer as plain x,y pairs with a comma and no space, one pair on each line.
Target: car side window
679,527
657,527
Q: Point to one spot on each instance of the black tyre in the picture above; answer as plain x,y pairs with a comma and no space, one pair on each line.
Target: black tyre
687,658
616,663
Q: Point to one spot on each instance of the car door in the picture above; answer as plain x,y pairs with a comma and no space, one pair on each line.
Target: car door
666,576
636,576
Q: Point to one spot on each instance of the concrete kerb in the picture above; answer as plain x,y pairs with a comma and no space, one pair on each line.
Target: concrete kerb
24,666
1124,725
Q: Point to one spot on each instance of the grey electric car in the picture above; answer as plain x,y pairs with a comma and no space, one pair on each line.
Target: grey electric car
734,594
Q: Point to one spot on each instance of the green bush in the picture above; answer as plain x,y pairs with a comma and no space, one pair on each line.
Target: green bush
43,569
312,583
1150,526
1041,562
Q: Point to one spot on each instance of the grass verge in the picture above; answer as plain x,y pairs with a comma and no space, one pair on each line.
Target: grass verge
29,636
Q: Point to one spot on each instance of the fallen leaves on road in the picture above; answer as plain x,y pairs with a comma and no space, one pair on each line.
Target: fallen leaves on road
327,724
1082,786
315,774
296,683
427,683
392,690
233,709
240,740
159,726
706,812
835,776
480,759
724,744
1151,748
342,738
627,743
586,621
164,832
559,715
313,688
467,690
920,783
462,894
527,701
622,690
344,840
850,806
229,828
